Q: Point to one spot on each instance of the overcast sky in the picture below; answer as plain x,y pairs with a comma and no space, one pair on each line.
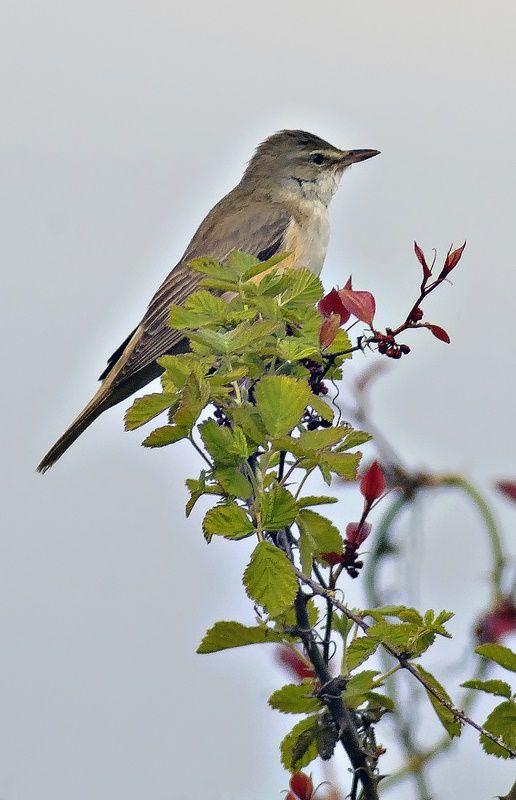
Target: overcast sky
122,124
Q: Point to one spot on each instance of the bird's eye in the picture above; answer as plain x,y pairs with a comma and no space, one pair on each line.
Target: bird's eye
317,158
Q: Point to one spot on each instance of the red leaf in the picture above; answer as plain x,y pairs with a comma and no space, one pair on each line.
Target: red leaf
361,304
508,488
329,330
499,621
452,259
438,332
332,304
332,558
357,533
372,484
422,260
302,786
294,663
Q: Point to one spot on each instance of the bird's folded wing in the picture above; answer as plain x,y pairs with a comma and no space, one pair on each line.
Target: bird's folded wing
257,228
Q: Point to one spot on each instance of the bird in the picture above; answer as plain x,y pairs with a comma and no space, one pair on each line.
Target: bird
280,205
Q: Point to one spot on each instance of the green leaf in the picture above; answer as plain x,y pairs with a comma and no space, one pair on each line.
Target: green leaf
278,509
404,613
376,699
358,686
407,637
295,698
263,266
211,267
167,434
230,521
225,445
146,408
293,349
501,655
345,465
224,635
321,408
491,687
501,722
199,309
248,334
304,289
250,421
359,651
449,722
323,533
233,482
315,500
355,439
270,580
281,402
194,397
299,747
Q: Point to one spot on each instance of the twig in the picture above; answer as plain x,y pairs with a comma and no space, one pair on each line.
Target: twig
406,664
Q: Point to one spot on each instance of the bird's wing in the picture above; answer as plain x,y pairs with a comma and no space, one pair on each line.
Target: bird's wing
254,227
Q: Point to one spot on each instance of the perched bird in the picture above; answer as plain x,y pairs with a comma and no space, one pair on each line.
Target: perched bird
280,205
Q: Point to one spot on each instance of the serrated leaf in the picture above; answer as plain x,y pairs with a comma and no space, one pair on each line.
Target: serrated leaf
167,434
345,465
304,289
315,500
146,408
233,482
293,349
211,267
498,653
281,402
321,408
225,445
359,651
404,613
445,716
224,635
250,421
270,580
321,439
194,397
248,334
376,699
230,521
278,509
501,722
354,439
260,267
295,698
323,533
299,747
199,309
358,686
500,688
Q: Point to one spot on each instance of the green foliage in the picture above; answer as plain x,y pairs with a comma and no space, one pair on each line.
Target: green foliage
226,635
247,397
296,698
269,579
499,654
501,722
447,718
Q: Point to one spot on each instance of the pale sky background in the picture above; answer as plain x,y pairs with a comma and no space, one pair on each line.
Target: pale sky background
122,124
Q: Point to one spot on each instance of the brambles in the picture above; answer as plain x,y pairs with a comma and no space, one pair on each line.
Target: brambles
253,398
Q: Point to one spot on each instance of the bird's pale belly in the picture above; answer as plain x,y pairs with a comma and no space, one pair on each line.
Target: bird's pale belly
308,240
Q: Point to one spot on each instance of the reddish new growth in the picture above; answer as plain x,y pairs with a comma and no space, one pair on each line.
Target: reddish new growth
301,787
372,487
498,622
294,663
340,304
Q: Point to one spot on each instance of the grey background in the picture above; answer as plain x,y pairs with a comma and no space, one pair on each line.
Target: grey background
122,123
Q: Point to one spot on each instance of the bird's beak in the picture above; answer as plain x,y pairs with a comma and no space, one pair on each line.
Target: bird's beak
349,157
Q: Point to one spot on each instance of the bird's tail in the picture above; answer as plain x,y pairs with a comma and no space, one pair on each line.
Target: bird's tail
102,400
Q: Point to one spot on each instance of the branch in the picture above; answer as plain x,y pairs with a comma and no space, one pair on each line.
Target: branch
405,663
342,716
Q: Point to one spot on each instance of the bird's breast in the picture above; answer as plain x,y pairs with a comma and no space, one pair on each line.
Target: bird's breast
307,237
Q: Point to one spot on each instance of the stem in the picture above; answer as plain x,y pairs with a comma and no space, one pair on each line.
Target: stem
342,716
406,664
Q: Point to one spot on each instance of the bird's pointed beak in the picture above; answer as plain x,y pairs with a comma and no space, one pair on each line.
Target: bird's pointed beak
349,157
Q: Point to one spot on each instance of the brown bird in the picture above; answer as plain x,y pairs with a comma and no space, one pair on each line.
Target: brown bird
280,205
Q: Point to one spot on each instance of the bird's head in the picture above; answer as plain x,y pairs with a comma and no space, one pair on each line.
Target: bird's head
302,163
